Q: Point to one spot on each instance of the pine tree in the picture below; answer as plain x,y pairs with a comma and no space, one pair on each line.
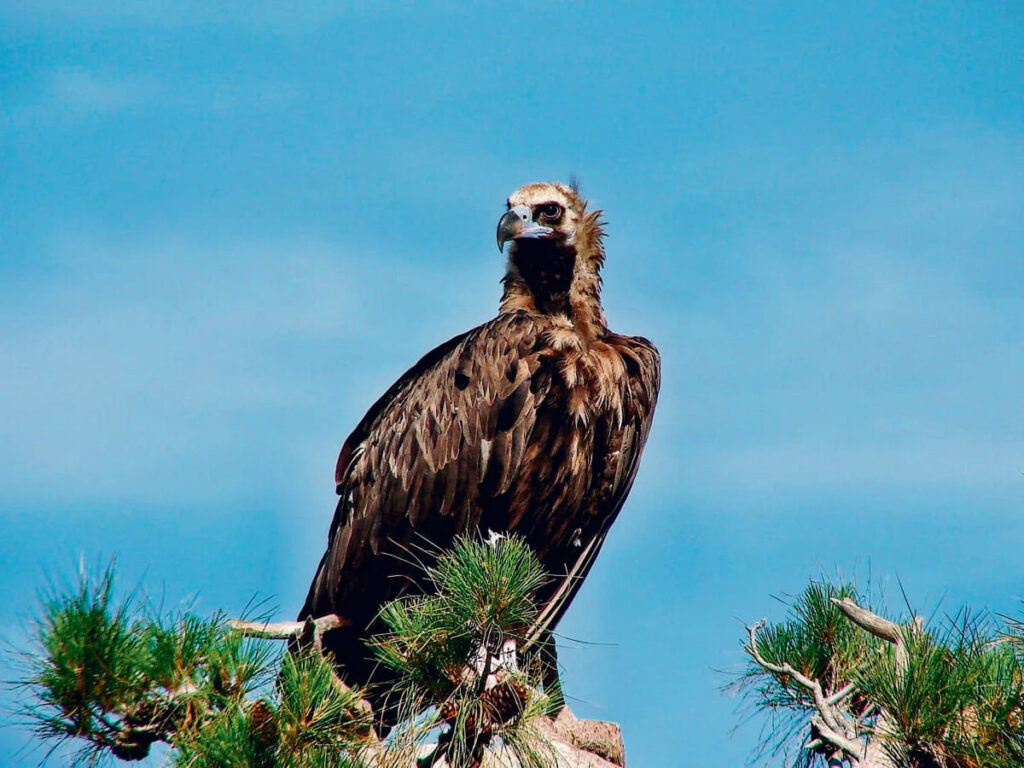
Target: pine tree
842,685
111,679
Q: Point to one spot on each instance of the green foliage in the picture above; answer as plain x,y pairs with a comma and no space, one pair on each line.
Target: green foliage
818,641
959,696
114,679
442,646
489,587
314,714
119,681
950,696
481,594
309,722
224,741
91,666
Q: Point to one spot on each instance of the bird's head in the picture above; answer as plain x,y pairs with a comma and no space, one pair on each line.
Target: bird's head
555,250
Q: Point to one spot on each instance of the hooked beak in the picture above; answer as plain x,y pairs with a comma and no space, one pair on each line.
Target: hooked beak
518,223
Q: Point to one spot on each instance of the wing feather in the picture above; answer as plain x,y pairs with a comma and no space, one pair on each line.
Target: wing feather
618,454
478,433
450,432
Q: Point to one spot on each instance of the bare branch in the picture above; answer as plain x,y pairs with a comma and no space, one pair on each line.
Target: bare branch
853,748
870,622
874,754
304,631
311,629
841,694
830,718
779,669
284,630
881,628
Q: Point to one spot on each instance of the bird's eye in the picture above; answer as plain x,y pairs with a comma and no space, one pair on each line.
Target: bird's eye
550,211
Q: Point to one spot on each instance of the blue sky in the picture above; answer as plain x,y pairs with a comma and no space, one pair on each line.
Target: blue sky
224,233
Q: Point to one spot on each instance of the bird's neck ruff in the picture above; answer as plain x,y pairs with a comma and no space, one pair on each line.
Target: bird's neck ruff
559,277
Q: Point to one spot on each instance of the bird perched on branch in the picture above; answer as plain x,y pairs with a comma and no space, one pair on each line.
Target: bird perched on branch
532,423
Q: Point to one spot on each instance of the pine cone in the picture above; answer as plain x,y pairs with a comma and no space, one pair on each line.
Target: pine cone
262,725
507,700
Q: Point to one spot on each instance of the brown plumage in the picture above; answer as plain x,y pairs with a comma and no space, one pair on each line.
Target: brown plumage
531,423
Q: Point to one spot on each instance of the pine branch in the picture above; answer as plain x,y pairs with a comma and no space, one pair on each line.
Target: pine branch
946,697
457,651
829,721
113,678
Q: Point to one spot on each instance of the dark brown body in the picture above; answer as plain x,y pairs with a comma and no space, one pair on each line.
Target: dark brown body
532,423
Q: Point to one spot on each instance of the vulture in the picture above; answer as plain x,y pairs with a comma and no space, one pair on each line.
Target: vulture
532,424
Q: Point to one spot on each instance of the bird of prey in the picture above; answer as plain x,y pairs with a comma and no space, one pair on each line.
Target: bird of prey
531,423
